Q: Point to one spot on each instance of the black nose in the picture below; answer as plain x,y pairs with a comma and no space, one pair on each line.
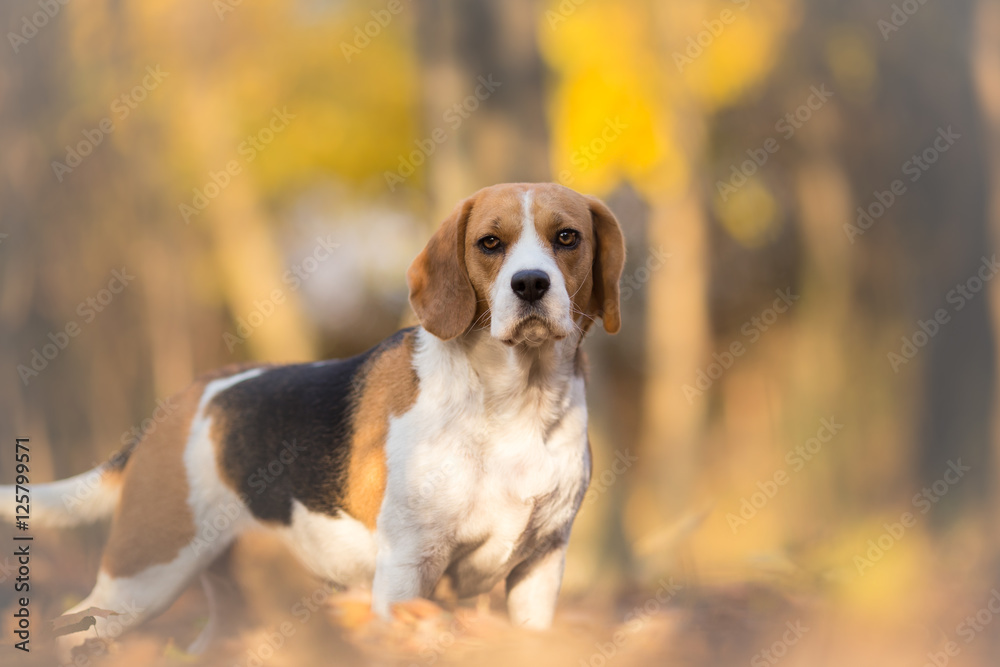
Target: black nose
530,285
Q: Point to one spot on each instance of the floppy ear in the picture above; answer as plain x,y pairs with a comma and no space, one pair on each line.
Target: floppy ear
441,293
609,260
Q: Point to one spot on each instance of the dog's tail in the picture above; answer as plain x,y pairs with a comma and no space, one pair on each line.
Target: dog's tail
74,501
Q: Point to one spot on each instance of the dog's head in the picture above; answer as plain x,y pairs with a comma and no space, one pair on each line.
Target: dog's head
526,261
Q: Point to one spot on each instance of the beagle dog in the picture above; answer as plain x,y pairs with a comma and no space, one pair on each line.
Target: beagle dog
457,448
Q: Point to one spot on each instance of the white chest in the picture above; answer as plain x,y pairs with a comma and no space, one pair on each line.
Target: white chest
479,478
495,498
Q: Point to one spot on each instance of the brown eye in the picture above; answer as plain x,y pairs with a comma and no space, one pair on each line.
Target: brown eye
568,238
490,244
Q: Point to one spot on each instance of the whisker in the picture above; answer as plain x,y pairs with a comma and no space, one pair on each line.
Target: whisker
583,282
478,319
581,313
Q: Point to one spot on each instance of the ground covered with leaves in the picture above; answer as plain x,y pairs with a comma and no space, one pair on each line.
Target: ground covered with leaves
271,612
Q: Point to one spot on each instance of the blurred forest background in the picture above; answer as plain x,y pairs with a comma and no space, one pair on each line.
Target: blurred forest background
811,197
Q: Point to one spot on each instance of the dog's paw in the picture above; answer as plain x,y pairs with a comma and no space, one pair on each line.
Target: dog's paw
352,609
413,612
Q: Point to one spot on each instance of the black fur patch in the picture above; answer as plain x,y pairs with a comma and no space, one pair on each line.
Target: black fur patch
286,434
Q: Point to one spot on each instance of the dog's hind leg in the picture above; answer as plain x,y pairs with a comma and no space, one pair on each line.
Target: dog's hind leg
207,635
145,569
174,517
131,600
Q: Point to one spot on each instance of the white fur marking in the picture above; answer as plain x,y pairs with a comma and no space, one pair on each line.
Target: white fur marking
530,252
218,512
341,549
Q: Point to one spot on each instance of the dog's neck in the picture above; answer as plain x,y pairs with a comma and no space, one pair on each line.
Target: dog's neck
551,363
513,378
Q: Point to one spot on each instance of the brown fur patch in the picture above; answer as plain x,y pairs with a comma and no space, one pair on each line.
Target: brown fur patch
153,521
440,292
389,389
608,265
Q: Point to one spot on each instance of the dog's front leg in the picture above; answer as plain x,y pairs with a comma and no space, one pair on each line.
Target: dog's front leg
408,565
533,588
